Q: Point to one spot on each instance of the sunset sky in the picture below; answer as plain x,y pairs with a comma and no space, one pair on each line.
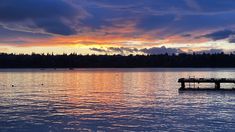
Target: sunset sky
117,26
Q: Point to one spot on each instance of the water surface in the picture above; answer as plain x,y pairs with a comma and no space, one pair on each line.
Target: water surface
112,100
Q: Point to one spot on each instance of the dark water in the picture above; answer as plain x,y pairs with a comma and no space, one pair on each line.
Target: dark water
112,100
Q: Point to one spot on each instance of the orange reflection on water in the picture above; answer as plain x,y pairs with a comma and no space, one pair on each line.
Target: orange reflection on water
88,91
106,88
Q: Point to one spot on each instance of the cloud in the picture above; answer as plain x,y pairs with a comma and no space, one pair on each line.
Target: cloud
193,4
20,38
118,50
232,39
164,18
186,35
15,10
117,22
122,50
17,42
52,16
161,50
55,26
149,51
152,51
6,34
210,51
98,50
218,35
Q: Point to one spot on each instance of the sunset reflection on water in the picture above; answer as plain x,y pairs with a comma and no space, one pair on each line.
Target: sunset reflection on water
111,100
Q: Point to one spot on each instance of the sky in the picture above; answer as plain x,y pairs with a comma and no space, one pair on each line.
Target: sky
117,26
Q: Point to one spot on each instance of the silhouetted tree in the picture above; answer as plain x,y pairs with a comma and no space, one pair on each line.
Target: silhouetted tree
74,60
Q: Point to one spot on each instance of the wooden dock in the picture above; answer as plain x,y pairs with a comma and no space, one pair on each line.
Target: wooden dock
216,81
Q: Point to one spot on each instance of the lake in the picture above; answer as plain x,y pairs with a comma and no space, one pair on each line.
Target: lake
34,100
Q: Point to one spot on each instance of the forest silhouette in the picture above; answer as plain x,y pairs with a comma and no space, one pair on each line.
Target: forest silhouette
115,61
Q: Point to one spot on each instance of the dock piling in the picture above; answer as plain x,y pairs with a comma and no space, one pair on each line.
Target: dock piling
217,85
182,85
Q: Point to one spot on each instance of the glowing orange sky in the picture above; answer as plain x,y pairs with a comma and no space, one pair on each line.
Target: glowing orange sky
69,26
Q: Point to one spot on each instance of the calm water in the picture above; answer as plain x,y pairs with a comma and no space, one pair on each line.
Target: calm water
112,100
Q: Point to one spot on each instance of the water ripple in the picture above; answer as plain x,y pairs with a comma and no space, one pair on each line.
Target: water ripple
117,100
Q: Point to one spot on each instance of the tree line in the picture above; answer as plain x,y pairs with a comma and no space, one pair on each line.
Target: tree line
115,61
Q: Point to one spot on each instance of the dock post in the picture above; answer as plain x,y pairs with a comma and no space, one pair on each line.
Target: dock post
182,85
217,85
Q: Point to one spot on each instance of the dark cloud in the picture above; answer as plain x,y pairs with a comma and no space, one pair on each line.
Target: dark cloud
153,51
168,18
49,15
122,49
6,33
232,39
149,51
55,26
161,50
216,5
186,35
17,10
118,50
210,51
200,22
218,35
98,50
16,42
158,20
